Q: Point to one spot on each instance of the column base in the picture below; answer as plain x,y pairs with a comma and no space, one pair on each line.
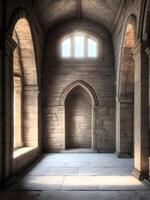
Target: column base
140,175
122,155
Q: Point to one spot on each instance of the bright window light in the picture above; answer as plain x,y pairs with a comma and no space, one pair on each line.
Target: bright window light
79,45
92,48
66,48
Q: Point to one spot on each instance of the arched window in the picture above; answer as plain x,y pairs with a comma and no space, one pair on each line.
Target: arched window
79,45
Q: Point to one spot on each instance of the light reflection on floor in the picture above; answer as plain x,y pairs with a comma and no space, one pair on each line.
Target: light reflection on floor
63,176
90,171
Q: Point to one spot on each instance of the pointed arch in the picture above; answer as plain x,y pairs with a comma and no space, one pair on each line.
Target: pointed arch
21,18
126,71
94,103
78,118
23,38
85,86
125,92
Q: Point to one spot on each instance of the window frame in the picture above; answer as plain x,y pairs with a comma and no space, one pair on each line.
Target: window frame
86,37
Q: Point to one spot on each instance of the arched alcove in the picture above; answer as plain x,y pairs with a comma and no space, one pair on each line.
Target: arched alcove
78,104
78,118
125,104
25,91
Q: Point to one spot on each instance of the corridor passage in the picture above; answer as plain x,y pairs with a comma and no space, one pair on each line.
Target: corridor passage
73,176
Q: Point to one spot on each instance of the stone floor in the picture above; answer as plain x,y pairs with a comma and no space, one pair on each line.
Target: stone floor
72,176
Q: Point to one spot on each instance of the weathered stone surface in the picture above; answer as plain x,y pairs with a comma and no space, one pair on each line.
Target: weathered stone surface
44,120
58,74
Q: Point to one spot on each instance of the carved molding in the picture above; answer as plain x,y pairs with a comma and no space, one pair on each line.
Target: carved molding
31,88
85,86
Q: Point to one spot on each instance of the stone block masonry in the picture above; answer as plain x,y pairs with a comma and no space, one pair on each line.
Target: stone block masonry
59,73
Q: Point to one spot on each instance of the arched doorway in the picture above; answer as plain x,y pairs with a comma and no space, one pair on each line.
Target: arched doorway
78,104
125,101
78,118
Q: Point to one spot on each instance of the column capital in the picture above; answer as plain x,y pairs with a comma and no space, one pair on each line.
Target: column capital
31,88
18,83
125,99
95,107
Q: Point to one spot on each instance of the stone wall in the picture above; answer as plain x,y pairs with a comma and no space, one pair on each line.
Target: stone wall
15,9
22,160
58,74
135,11
123,41
6,122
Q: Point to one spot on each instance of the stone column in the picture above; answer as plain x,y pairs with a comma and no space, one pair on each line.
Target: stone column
63,127
17,104
30,115
141,112
124,127
148,53
94,138
1,114
8,46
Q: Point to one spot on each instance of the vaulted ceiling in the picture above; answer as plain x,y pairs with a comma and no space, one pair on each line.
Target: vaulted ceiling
105,12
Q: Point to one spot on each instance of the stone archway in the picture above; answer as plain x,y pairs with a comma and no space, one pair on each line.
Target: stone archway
25,87
77,87
125,96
